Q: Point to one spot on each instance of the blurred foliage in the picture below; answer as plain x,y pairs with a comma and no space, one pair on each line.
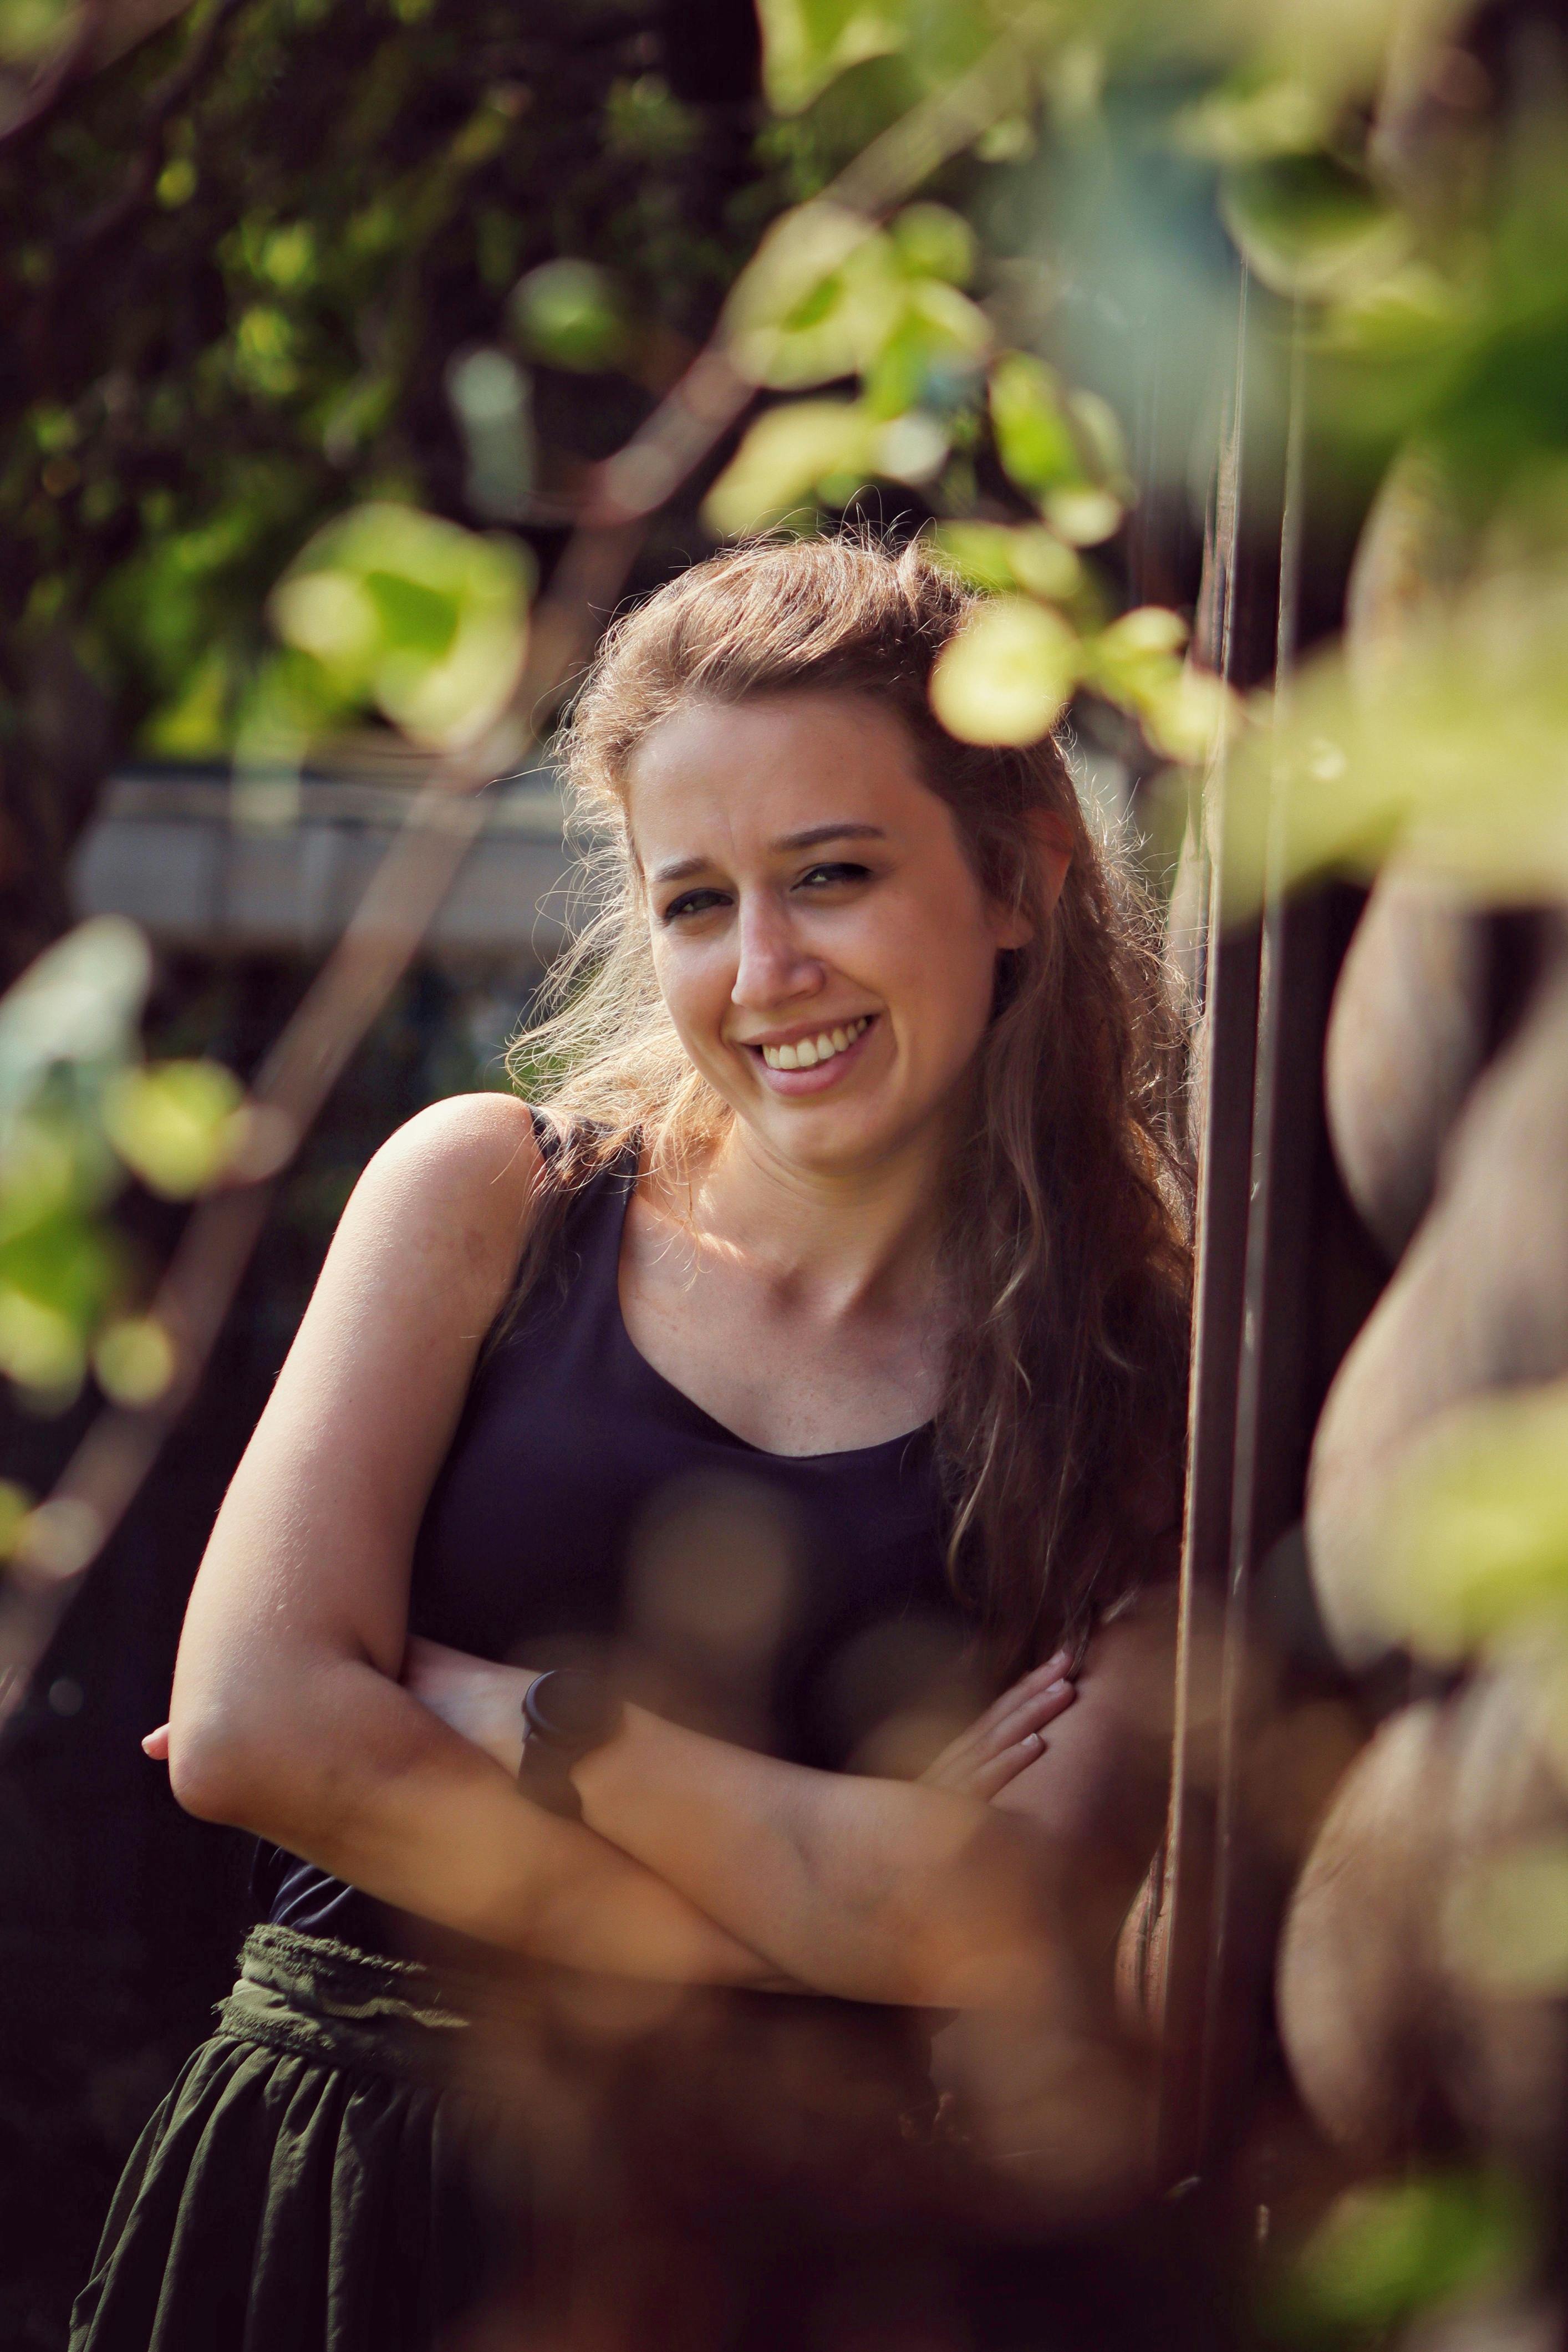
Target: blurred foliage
1024,470
1386,2252
1505,1930
80,1112
1477,1543
398,614
262,269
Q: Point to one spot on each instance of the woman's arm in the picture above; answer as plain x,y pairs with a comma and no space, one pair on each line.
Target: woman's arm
875,1890
287,1717
879,1890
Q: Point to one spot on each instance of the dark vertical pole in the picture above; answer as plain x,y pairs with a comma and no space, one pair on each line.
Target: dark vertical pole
1223,1121
1275,1238
1267,1245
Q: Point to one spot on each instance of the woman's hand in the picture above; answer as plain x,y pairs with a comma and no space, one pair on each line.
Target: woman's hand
481,1701
1008,1737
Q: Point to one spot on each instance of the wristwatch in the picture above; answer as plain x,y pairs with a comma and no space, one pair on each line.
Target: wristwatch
566,1713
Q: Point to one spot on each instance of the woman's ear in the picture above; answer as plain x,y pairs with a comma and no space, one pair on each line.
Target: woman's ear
1050,848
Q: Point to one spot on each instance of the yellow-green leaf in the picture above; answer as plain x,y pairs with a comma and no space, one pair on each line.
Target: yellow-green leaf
1007,676
818,300
172,1123
1083,517
411,613
933,241
806,44
135,1360
786,453
1309,226
1393,2248
1034,438
16,1503
1476,1545
40,1346
570,313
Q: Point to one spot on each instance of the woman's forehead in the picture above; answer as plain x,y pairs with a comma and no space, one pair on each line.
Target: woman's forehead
771,766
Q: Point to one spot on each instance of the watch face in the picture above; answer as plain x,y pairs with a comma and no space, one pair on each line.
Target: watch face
571,1709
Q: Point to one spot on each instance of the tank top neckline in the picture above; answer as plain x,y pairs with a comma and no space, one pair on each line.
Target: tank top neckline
650,1372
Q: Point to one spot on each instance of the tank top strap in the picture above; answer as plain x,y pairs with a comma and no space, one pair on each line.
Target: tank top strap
579,1283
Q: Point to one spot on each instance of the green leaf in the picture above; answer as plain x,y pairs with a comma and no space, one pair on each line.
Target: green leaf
398,609
932,353
53,1162
1476,1543
16,1502
41,1349
1505,1923
80,1002
1085,516
570,314
174,1123
932,241
135,1360
1453,744
1248,121
1389,2250
786,453
806,44
1309,226
992,557
1006,677
412,615
818,300
54,1284
1034,438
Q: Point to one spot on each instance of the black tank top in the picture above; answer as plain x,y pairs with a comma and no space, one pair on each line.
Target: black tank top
588,1509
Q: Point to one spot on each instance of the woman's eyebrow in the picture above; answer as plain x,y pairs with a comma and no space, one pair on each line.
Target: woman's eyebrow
815,834
680,869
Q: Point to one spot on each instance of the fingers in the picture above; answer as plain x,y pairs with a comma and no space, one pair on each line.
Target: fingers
990,1779
982,1737
1023,1743
1031,1714
997,1750
156,1744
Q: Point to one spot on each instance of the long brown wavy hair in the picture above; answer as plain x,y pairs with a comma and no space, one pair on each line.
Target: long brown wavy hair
1059,1433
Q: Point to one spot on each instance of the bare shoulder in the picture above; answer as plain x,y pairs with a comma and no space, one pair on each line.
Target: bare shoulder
449,1195
471,1151
483,1144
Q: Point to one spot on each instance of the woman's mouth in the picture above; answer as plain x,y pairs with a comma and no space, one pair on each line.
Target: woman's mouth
815,1060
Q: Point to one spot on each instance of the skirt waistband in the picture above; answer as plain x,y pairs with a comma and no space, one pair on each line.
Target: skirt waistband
342,2007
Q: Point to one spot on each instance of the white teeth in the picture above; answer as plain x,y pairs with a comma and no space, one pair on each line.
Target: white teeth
807,1052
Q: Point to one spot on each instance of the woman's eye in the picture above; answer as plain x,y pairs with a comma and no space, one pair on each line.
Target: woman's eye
822,877
693,902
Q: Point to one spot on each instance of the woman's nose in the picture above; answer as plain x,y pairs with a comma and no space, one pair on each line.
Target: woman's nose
773,966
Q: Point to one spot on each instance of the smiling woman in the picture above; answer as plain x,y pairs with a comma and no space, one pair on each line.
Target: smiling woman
666,1472
790,842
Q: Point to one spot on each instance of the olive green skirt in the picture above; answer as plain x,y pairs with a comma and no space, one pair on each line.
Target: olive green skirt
308,2182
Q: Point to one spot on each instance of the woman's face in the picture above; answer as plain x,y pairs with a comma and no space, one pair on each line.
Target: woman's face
824,949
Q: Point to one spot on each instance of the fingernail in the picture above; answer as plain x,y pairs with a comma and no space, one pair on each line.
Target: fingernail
1055,1690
